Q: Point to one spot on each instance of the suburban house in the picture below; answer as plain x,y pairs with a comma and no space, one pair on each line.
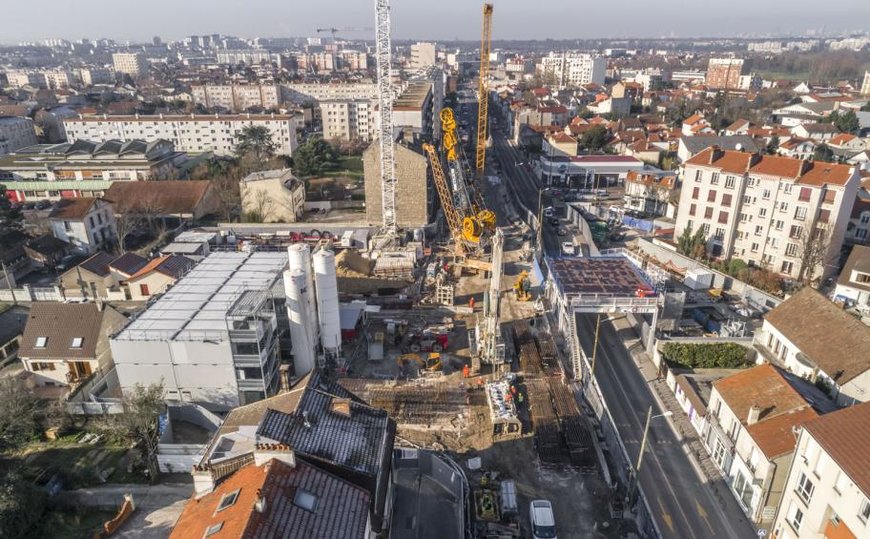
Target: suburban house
64,343
100,275
748,434
738,127
316,429
273,196
827,493
651,193
182,199
817,132
13,318
858,229
696,124
797,148
86,224
853,286
157,275
839,362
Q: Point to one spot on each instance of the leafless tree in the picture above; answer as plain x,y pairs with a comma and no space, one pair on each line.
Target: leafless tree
814,251
148,209
140,421
258,205
126,223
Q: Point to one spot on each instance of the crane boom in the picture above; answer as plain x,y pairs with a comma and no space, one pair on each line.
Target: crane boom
453,220
384,58
483,92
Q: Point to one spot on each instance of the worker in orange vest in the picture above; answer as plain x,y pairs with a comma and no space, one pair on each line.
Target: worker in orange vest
466,372
471,303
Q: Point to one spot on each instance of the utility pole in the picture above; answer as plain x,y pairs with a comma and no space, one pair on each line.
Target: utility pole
595,347
540,218
649,418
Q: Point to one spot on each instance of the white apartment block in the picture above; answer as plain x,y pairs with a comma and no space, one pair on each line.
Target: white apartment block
131,63
96,75
766,209
351,119
574,69
422,55
15,133
190,133
21,78
865,85
58,78
247,57
827,493
301,92
237,97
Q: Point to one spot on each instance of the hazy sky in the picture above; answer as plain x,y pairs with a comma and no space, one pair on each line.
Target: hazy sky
427,19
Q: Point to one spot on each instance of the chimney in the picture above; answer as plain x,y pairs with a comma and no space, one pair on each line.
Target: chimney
754,414
203,480
266,452
284,377
716,153
260,502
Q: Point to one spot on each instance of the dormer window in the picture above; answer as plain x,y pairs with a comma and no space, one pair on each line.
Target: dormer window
76,342
41,342
228,500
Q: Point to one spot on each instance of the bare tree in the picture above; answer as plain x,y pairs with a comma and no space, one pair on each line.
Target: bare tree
258,205
814,251
149,208
125,224
140,421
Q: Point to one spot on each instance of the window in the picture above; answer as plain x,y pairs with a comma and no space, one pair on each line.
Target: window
714,179
41,342
791,249
747,199
706,228
743,488
841,483
830,196
720,233
726,200
228,500
787,188
794,517
796,231
695,192
711,196
42,366
765,194
805,488
692,209
758,230
213,529
305,499
76,342
723,217
754,248
864,512
805,194
744,217
824,215
729,182
100,218
67,226
143,290
783,206
787,267
800,213
762,212
708,213
865,218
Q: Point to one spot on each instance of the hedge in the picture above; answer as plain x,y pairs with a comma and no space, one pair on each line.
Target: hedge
721,355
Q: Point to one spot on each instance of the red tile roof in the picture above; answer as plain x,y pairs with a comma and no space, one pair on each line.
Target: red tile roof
845,437
73,208
842,138
774,437
164,197
340,510
763,386
809,173
693,119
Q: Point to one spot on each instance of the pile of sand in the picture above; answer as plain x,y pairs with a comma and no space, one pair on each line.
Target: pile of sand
349,263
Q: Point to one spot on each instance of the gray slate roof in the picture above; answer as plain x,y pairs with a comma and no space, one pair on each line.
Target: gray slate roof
698,144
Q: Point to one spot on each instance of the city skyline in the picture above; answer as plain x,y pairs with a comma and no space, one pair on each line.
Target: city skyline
444,21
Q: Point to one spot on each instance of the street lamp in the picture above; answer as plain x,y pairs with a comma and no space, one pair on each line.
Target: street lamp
649,418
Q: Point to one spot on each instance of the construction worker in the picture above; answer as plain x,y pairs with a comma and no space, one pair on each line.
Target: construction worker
466,371
471,303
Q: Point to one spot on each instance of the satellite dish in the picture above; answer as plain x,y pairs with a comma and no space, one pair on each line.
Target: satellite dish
739,147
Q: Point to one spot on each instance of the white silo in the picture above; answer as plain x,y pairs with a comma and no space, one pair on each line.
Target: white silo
327,302
299,255
300,315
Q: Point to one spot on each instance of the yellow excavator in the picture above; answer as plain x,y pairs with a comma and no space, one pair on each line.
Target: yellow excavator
522,287
429,363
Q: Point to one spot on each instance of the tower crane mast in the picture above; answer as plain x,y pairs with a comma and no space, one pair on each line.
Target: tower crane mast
383,61
483,91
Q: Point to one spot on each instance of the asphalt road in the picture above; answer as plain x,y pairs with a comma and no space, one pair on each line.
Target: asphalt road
683,506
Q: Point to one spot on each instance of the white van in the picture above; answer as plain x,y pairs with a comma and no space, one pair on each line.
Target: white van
542,519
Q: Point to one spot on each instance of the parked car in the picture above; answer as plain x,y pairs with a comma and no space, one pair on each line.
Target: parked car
542,519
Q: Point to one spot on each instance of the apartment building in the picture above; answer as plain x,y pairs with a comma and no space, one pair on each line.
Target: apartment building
16,132
212,339
56,79
242,56
19,78
215,133
724,73
309,91
237,97
96,75
650,193
839,362
348,119
827,493
414,109
130,63
422,55
573,68
748,433
768,210
85,168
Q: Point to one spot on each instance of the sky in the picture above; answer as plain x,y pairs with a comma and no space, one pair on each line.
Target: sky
428,20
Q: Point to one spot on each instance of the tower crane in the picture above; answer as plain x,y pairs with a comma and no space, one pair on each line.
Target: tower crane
483,92
383,61
333,30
